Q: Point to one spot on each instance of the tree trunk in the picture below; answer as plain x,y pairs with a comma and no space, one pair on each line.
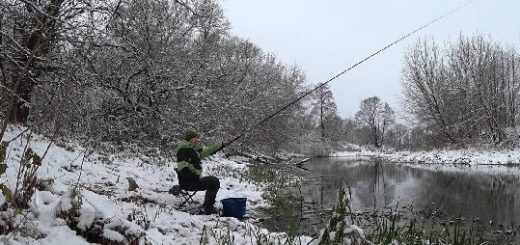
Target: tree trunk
38,43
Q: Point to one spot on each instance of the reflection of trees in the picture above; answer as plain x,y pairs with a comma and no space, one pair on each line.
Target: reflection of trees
367,181
469,193
373,189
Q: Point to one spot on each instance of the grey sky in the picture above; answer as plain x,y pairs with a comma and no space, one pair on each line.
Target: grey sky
325,37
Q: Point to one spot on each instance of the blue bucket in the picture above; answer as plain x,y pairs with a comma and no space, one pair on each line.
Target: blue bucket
234,207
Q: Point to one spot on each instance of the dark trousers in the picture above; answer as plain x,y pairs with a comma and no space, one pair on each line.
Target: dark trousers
210,184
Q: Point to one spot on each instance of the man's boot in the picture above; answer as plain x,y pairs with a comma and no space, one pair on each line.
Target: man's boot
209,202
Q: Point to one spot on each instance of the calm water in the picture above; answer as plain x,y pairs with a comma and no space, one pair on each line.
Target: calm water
489,193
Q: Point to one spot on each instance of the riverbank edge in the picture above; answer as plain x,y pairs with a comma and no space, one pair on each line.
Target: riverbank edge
471,156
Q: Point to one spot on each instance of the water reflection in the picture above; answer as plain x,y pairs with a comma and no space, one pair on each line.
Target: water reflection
489,193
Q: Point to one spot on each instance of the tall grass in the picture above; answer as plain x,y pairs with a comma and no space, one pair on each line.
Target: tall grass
282,191
251,233
408,227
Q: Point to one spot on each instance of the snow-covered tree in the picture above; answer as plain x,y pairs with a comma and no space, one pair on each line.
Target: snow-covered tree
377,117
463,91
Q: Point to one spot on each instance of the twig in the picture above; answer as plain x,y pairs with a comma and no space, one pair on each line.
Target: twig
52,141
18,225
22,167
20,134
113,13
81,169
187,7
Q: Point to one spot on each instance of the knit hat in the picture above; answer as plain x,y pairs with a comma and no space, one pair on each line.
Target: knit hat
188,135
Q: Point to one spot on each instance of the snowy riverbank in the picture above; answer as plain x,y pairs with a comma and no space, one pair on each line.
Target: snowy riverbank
104,200
470,156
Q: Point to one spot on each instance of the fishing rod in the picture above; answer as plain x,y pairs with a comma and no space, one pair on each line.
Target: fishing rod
254,125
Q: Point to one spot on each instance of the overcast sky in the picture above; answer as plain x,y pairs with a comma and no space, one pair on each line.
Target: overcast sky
325,37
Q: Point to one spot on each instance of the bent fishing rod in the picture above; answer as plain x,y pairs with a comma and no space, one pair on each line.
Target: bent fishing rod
254,125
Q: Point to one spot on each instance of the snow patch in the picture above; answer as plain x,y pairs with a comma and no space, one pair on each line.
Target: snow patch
105,199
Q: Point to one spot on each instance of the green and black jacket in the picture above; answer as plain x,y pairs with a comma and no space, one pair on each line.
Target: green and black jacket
189,158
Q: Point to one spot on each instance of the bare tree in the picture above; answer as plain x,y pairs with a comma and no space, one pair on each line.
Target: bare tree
325,108
377,116
467,91
32,32
428,90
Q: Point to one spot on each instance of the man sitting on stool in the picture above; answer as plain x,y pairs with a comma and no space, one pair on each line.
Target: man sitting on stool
189,155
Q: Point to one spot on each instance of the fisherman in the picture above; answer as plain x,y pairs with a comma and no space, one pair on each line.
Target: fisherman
189,169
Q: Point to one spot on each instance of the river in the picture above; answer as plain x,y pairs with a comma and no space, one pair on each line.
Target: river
489,194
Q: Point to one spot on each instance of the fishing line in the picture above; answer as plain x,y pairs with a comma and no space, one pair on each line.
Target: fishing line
254,125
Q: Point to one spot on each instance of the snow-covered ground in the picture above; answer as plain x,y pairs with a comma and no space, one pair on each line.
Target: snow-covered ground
150,215
146,214
471,156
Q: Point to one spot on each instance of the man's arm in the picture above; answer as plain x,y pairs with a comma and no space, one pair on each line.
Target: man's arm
211,149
